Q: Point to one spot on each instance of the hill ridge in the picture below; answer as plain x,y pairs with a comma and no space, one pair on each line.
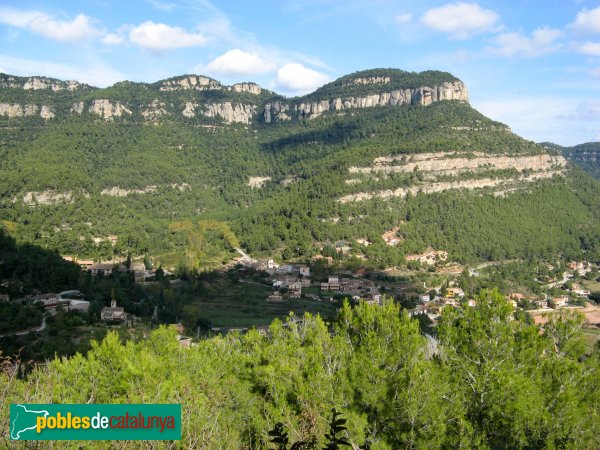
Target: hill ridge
199,96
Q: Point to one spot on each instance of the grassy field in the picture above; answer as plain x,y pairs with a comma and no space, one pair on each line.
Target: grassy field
591,337
593,286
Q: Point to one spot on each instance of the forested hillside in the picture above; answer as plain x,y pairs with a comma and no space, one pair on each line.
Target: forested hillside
487,381
102,173
586,156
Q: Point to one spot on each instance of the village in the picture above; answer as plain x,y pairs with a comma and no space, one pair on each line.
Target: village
320,281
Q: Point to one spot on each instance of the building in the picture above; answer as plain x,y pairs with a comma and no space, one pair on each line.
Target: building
424,298
580,291
275,297
48,300
295,290
304,271
113,313
560,302
102,268
430,257
85,264
334,283
542,304
285,268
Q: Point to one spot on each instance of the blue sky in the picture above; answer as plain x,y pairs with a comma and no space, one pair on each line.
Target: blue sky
532,64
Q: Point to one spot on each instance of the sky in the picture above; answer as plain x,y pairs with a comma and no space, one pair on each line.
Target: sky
532,64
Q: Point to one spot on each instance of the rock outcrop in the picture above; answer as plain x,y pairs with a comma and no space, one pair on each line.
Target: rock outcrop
77,107
258,182
47,112
229,103
369,80
116,191
423,96
436,167
16,110
189,109
452,163
154,110
251,88
108,110
38,83
230,113
46,198
192,82
276,111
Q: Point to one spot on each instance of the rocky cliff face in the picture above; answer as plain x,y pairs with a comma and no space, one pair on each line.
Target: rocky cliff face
192,82
251,88
154,110
369,80
38,83
423,96
15,110
107,110
197,96
231,113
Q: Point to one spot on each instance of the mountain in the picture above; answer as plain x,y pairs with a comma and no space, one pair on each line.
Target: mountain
586,156
203,98
102,172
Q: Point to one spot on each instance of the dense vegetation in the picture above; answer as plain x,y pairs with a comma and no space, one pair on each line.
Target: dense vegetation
587,155
181,169
488,382
25,268
399,79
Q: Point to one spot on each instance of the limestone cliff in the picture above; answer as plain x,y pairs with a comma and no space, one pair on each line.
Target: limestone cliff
15,110
230,113
107,110
251,88
425,95
154,110
39,83
192,82
200,97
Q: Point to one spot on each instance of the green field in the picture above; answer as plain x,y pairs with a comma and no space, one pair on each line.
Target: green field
593,286
591,337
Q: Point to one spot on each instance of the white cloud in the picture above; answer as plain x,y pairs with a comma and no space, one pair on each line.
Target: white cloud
460,20
93,72
296,78
588,21
542,41
590,48
403,19
160,37
238,62
76,30
113,39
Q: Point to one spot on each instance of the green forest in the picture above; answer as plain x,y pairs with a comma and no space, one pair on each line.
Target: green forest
489,379
196,169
